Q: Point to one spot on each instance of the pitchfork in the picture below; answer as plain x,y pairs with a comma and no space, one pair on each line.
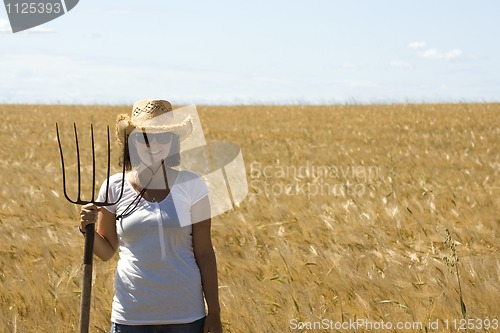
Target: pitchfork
90,228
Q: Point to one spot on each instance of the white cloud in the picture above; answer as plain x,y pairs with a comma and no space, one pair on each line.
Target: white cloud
431,53
417,45
359,83
42,78
400,64
348,65
453,54
435,54
5,26
6,29
37,29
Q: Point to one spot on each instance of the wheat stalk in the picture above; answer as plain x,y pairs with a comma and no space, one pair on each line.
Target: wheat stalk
452,262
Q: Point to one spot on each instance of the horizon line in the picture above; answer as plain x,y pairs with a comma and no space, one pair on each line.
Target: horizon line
257,102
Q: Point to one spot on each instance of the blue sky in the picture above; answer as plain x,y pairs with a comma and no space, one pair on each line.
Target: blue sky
243,52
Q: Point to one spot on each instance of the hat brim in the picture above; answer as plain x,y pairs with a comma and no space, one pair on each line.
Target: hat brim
125,126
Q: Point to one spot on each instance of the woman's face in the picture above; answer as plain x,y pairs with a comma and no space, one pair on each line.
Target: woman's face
153,148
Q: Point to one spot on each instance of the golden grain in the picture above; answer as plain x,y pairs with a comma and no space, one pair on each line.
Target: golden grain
287,252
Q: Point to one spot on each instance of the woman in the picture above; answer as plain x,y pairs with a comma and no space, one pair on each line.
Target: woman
161,229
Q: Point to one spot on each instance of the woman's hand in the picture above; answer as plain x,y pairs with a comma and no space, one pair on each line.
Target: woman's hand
212,323
106,239
88,215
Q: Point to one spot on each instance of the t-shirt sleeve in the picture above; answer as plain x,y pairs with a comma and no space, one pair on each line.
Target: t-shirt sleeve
114,186
196,186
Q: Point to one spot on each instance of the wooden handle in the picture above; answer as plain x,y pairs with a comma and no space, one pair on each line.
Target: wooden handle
87,278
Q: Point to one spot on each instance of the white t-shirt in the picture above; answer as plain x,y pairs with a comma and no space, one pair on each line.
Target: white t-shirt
157,278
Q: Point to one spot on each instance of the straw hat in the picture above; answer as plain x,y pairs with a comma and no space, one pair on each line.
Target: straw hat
153,116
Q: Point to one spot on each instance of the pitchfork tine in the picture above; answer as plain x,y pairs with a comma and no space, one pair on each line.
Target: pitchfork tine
93,162
78,199
109,162
62,164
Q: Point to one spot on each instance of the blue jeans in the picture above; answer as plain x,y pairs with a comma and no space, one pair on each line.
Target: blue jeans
194,327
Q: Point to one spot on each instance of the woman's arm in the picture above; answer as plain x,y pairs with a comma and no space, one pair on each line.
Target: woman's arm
205,257
106,239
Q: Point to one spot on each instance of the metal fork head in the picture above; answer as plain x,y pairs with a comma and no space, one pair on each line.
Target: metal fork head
79,200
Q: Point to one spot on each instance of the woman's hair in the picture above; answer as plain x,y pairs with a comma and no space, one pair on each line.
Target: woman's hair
173,159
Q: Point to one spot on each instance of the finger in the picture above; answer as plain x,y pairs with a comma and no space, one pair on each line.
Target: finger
85,223
88,215
89,211
82,226
88,218
89,206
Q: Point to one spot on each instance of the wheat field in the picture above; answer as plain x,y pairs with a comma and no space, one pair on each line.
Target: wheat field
345,219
